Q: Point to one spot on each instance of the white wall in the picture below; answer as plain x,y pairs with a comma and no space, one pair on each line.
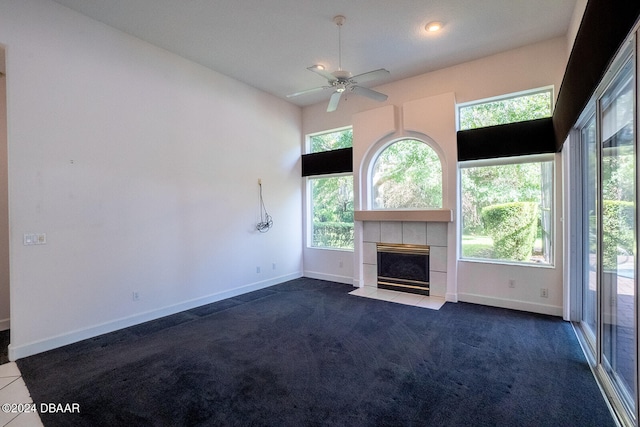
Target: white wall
4,205
329,264
141,167
532,66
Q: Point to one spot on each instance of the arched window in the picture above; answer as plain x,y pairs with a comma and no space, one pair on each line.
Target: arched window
407,175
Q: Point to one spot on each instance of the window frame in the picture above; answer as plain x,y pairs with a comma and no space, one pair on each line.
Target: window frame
309,136
309,193
505,97
509,161
534,158
373,159
310,229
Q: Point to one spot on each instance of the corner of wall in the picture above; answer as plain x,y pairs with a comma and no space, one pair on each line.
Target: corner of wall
574,25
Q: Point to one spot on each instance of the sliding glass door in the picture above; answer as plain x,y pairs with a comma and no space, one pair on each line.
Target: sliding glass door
618,234
606,298
590,263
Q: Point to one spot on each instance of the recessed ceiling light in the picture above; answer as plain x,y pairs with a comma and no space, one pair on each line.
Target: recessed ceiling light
433,26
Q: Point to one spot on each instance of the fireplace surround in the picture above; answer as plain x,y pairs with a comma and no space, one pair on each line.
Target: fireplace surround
433,234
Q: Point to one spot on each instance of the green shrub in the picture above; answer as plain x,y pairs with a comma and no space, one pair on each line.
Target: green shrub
512,226
333,235
617,230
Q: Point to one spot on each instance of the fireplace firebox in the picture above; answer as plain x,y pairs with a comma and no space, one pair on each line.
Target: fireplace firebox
403,267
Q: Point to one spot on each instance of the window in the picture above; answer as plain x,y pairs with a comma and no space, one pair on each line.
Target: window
407,175
330,219
506,209
331,141
506,204
508,109
332,212
618,232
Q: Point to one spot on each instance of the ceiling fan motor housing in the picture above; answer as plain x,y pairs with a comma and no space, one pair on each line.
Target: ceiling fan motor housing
342,74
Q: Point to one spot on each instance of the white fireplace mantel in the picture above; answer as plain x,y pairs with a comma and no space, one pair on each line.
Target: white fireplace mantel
430,215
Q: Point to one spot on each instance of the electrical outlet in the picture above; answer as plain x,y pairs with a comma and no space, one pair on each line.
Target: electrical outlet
135,295
512,283
34,239
544,292
273,266
259,181
258,270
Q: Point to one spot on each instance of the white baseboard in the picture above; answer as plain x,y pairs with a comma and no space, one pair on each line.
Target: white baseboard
5,324
29,349
551,310
347,280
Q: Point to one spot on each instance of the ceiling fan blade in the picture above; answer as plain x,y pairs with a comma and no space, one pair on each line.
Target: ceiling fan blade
369,93
324,73
304,92
371,75
333,102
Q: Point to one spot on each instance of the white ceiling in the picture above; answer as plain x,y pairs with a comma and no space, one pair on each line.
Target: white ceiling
269,44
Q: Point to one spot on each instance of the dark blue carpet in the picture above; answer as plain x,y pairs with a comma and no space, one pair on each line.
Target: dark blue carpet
305,353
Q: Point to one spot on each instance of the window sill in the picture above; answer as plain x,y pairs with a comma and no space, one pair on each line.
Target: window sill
505,262
430,215
329,248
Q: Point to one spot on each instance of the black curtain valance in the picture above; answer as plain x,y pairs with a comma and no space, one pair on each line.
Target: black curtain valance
604,27
513,139
328,162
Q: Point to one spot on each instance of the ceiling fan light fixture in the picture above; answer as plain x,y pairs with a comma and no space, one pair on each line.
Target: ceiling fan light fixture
433,26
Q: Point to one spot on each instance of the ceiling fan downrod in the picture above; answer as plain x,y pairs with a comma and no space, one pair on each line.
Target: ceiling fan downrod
339,20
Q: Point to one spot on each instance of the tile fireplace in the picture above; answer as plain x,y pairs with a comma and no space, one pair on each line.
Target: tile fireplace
431,234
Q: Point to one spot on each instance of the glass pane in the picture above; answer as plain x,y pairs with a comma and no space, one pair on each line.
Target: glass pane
407,174
507,110
507,212
618,234
331,141
590,227
332,212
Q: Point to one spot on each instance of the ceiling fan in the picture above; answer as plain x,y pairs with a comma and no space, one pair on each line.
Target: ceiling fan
342,80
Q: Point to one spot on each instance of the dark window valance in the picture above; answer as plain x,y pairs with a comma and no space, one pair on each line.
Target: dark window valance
604,27
328,162
512,139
